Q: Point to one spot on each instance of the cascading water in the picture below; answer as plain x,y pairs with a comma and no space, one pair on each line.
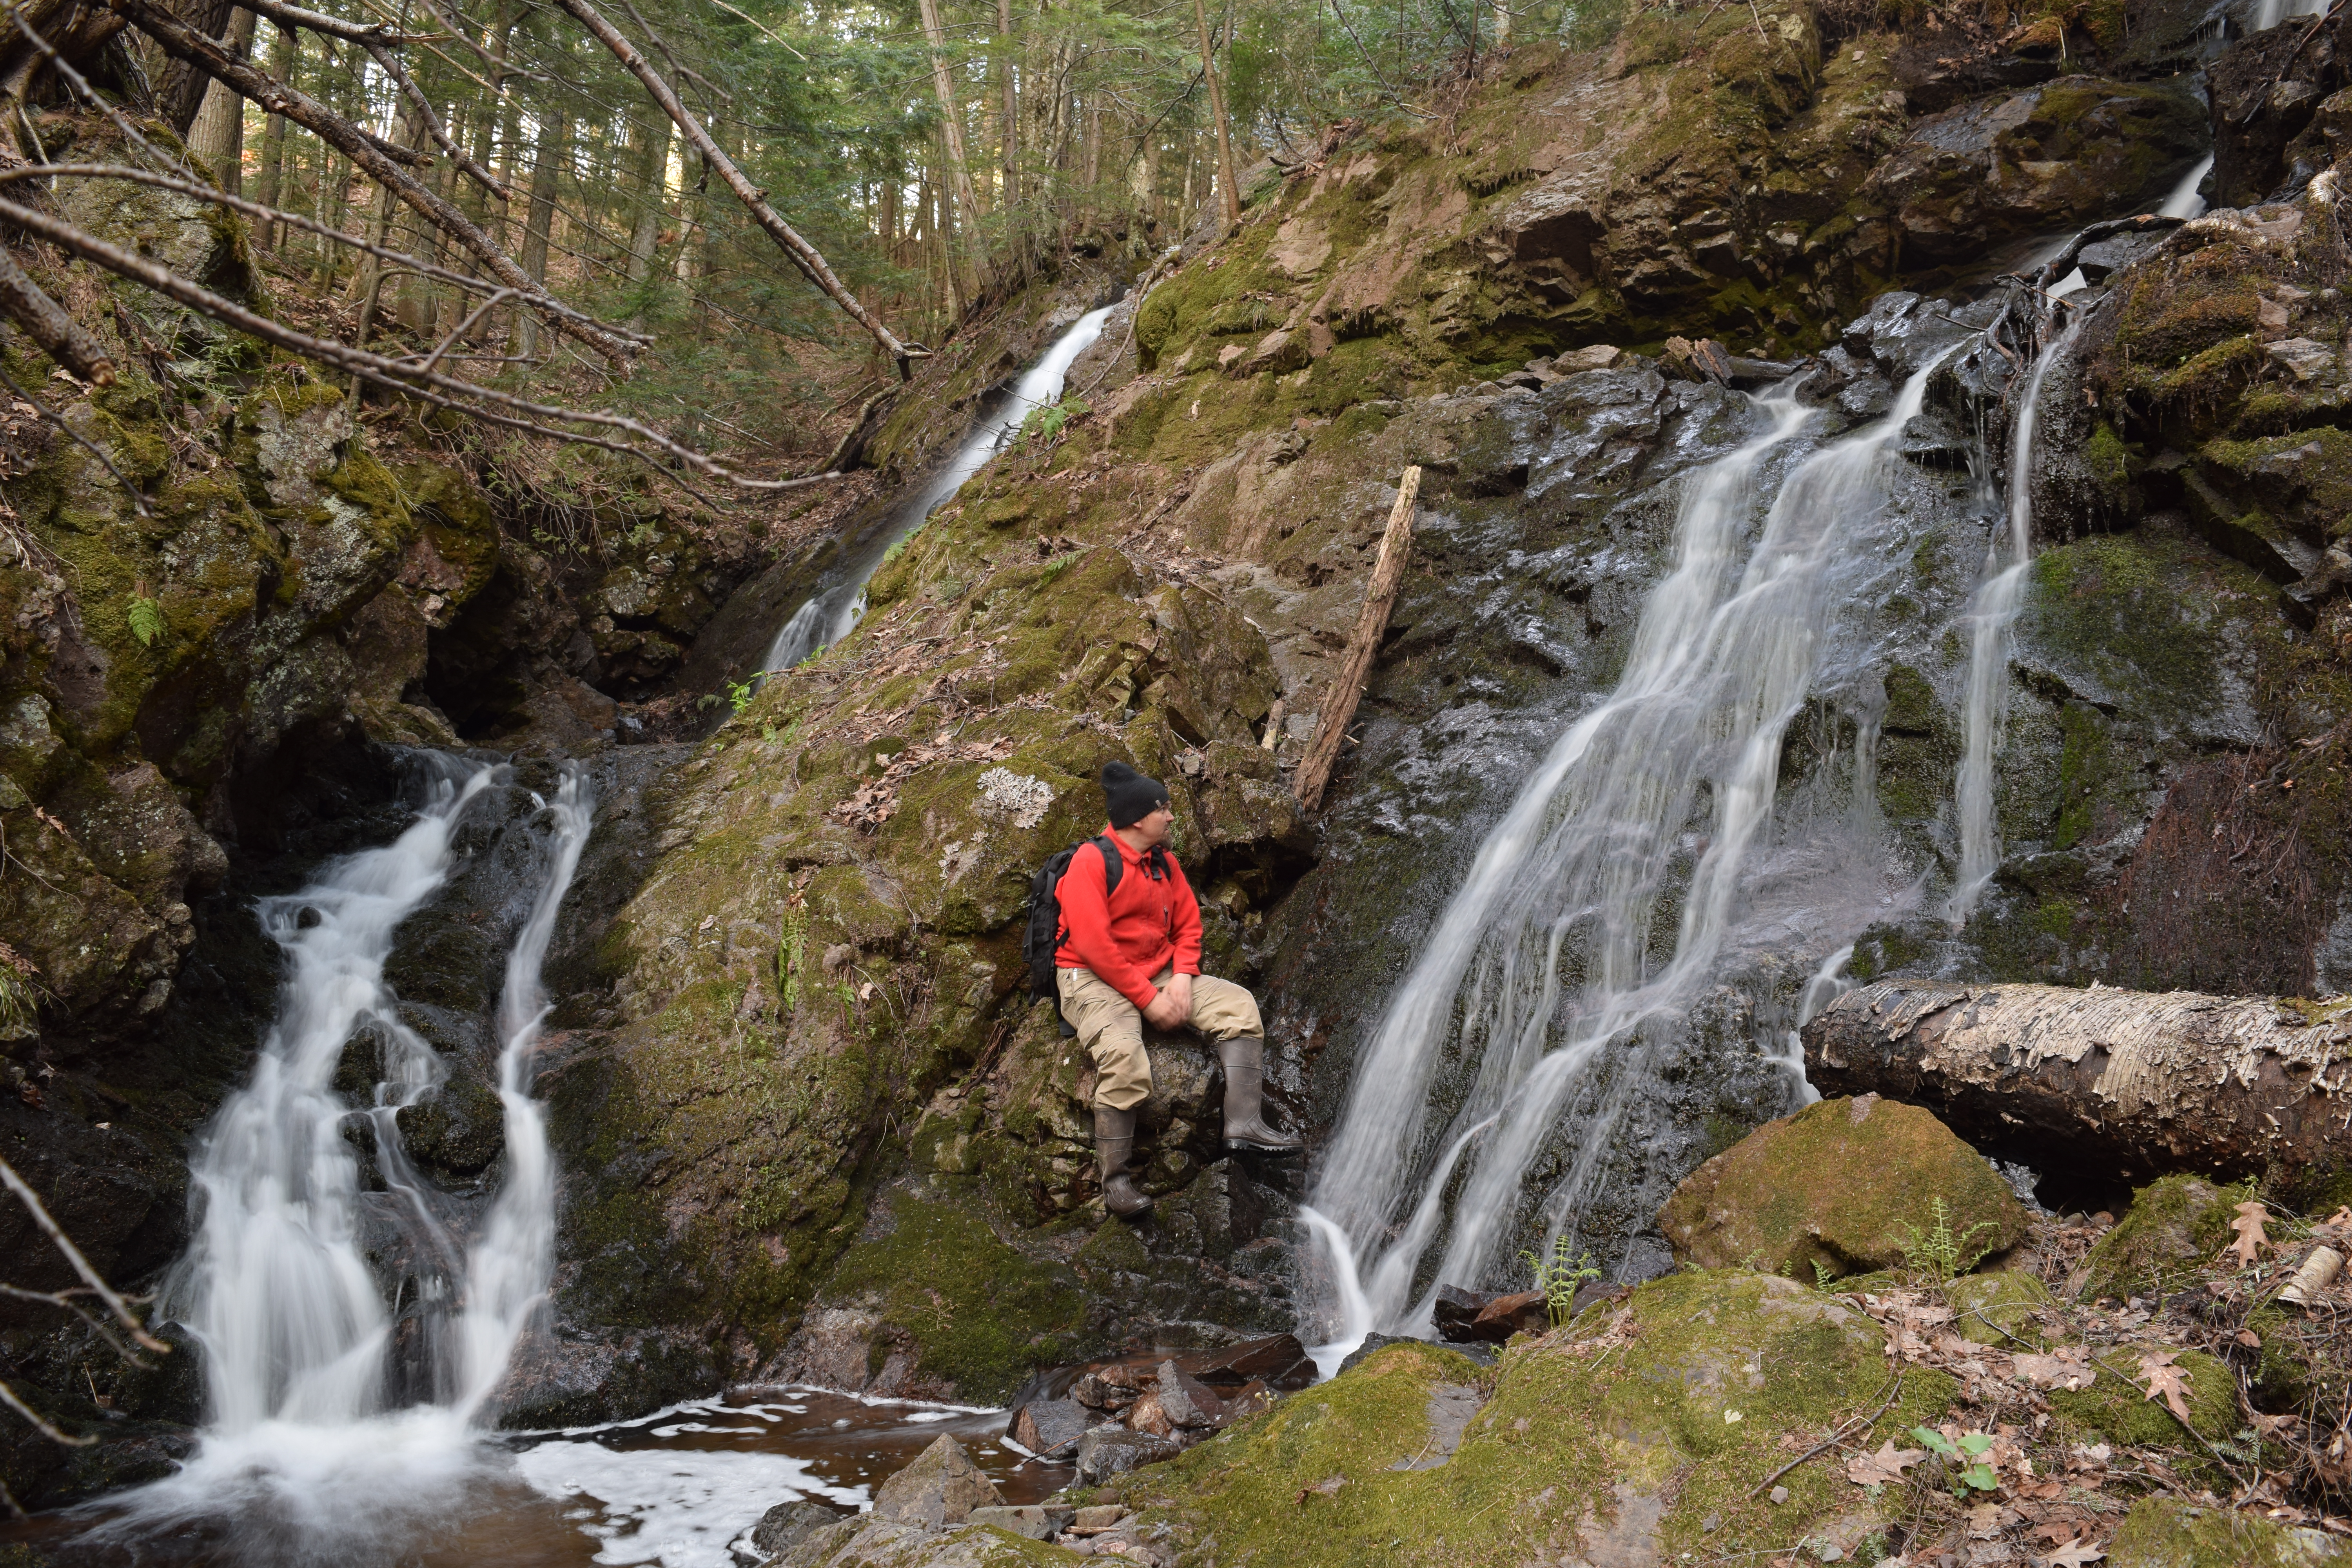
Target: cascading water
2187,199
1991,618
292,1324
828,614
1543,960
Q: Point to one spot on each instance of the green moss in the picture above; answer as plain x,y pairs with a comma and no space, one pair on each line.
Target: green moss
2174,1225
982,1316
2119,1411
2168,1533
1823,1188
1665,1433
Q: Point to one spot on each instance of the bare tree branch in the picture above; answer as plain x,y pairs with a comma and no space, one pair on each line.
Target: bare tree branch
400,375
803,254
90,1277
253,209
391,65
363,149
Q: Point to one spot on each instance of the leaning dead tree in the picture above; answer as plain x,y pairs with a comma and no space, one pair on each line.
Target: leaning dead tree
2108,1083
54,38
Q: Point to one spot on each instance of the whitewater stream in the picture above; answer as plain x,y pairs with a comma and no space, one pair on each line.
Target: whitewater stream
1641,865
352,1380
826,615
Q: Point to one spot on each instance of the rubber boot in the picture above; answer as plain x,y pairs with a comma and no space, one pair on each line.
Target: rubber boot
1246,1124
1114,1143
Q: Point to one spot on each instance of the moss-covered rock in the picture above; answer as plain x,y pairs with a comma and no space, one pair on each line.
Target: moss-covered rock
2170,1532
1844,1186
2174,1224
1640,1431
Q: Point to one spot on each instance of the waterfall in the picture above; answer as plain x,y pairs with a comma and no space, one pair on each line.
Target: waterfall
828,614
1990,615
2185,200
1542,959
507,1271
293,1327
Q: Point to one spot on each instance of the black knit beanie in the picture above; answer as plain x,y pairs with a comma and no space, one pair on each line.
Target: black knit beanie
1132,796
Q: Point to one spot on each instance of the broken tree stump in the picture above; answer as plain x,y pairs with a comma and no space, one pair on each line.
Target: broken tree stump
2109,1084
1347,688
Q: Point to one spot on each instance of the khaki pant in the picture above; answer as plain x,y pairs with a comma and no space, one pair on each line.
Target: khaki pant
1111,1028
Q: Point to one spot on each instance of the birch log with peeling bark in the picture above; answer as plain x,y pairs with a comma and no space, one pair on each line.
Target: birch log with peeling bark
1347,688
2113,1084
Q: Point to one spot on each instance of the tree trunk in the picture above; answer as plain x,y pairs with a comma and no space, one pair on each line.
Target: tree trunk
1347,688
270,179
185,87
552,152
653,207
2114,1086
218,135
951,123
1009,98
1226,183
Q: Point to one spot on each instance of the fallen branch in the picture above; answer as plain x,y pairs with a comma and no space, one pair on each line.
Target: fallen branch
367,150
1833,1440
44,322
1347,687
2118,1083
400,375
800,252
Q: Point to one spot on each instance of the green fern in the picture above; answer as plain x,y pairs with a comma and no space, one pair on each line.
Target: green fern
1559,1278
146,619
1938,1252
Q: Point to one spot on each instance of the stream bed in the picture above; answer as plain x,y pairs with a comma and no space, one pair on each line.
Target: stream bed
674,1489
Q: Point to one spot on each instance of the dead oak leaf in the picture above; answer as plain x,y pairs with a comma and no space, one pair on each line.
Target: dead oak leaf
2075,1555
2251,1217
2068,1366
2167,1381
1884,1467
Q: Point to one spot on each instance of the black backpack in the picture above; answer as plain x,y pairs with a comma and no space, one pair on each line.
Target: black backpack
1043,934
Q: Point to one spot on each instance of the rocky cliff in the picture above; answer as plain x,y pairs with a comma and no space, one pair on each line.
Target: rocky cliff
809,1127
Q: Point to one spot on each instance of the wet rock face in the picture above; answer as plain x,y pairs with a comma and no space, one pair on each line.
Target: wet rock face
1844,1186
2046,160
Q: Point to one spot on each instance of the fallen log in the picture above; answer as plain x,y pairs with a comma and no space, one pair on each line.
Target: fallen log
1347,688
2102,1084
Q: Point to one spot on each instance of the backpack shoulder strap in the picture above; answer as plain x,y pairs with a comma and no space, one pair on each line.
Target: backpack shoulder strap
1112,865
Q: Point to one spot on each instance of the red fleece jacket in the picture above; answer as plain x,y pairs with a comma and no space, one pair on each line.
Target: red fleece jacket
1146,925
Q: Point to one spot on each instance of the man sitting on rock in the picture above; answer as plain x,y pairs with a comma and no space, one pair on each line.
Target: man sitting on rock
1134,955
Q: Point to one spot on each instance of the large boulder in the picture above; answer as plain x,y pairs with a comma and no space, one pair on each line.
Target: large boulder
941,1488
1636,1435
1844,1186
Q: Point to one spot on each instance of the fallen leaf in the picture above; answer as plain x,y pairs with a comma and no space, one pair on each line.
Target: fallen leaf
2068,1366
2076,1555
2250,1339
2167,1380
1884,1467
1984,1522
2251,1217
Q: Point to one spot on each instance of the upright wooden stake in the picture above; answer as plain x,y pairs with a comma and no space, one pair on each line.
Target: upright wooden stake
1347,688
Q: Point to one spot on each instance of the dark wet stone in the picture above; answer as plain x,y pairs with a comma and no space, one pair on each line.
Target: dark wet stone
1108,1451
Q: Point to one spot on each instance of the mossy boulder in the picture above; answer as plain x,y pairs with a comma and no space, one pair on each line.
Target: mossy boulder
1637,1434
2175,1224
2170,1532
1844,1186
2121,1412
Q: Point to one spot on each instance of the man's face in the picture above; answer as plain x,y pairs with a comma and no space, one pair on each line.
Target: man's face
1154,829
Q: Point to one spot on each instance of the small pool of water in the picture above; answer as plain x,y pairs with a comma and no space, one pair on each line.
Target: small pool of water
674,1489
